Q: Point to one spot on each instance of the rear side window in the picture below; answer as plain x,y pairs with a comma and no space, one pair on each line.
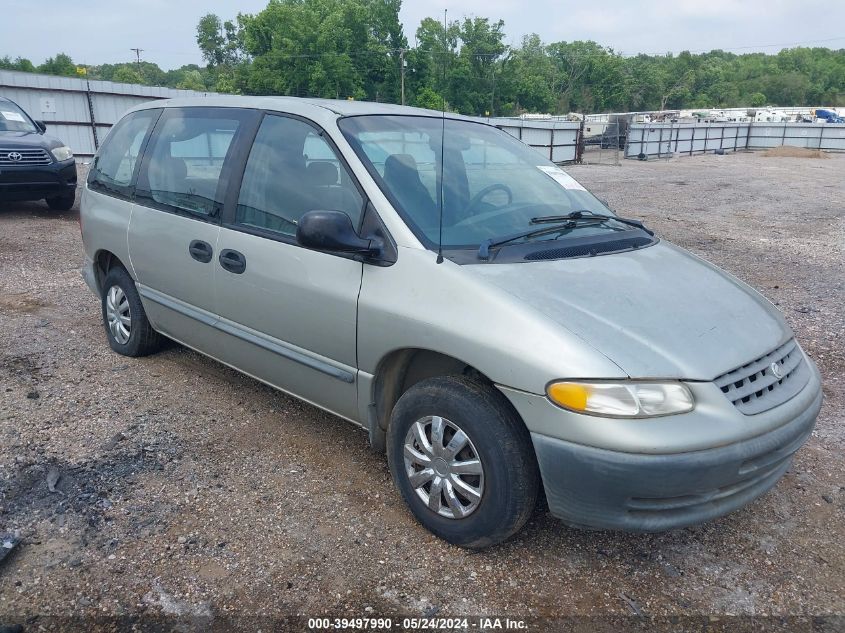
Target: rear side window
185,160
115,165
291,170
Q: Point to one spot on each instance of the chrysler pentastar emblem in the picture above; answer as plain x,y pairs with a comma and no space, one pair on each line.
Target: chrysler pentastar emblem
777,370
15,156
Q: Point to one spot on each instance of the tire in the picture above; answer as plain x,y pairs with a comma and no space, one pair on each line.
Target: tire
61,203
137,337
508,481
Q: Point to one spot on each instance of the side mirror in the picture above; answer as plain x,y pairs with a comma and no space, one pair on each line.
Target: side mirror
41,126
332,231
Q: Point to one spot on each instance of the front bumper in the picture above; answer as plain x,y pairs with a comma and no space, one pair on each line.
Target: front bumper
607,489
33,182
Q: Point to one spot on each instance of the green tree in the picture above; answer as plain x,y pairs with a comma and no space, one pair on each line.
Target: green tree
61,64
528,78
127,75
192,80
220,42
428,98
757,99
19,63
324,48
354,49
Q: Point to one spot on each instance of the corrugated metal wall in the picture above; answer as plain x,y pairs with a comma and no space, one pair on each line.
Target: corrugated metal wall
654,139
556,140
74,109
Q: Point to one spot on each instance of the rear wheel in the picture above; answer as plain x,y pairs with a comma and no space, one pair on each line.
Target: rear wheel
61,203
127,328
463,461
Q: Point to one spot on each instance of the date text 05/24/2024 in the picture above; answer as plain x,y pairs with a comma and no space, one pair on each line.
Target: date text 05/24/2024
418,624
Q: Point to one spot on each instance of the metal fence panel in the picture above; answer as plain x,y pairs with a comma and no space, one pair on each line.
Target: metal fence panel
796,135
49,105
556,140
833,137
656,139
75,108
109,108
77,137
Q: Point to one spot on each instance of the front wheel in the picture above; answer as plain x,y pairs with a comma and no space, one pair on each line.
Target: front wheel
61,203
463,461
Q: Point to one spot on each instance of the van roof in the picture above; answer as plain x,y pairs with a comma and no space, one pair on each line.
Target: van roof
338,107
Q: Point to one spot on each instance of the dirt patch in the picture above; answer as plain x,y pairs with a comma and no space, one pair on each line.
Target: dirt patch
787,151
21,302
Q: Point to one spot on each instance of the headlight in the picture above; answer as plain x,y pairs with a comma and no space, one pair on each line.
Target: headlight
62,153
622,399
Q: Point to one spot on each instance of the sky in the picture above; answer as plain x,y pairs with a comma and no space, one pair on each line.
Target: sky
103,31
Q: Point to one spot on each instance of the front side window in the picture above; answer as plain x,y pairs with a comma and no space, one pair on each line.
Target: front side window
291,170
492,186
115,163
13,119
185,159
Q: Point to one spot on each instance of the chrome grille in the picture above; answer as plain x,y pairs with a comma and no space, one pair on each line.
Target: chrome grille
755,387
27,157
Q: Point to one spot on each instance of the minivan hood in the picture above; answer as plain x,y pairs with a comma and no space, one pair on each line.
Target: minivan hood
659,312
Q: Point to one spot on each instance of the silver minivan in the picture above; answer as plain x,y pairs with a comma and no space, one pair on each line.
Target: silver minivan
498,330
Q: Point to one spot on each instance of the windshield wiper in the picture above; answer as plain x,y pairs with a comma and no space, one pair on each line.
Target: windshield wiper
561,223
486,245
576,216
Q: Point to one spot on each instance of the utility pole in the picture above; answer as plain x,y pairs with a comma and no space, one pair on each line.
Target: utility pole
138,52
402,52
493,93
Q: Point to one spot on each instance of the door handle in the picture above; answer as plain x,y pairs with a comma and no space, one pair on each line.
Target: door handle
201,251
233,261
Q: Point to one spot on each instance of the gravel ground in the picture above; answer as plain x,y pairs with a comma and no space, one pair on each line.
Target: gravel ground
186,489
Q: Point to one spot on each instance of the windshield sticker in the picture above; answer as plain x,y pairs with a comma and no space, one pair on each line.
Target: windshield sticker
561,177
12,116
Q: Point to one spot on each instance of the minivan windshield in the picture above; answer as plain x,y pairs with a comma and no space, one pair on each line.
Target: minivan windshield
13,119
493,184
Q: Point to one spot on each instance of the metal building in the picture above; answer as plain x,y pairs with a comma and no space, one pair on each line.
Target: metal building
78,111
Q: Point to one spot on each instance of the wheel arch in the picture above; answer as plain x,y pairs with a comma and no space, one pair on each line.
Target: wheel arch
104,261
400,370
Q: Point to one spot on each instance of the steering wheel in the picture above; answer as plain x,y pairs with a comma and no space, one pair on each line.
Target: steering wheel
477,198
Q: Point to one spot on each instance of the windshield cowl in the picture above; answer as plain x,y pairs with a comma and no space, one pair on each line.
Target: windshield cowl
550,248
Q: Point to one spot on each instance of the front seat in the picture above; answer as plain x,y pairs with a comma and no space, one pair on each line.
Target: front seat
403,179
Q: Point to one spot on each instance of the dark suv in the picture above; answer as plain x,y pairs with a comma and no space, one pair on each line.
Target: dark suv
33,165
